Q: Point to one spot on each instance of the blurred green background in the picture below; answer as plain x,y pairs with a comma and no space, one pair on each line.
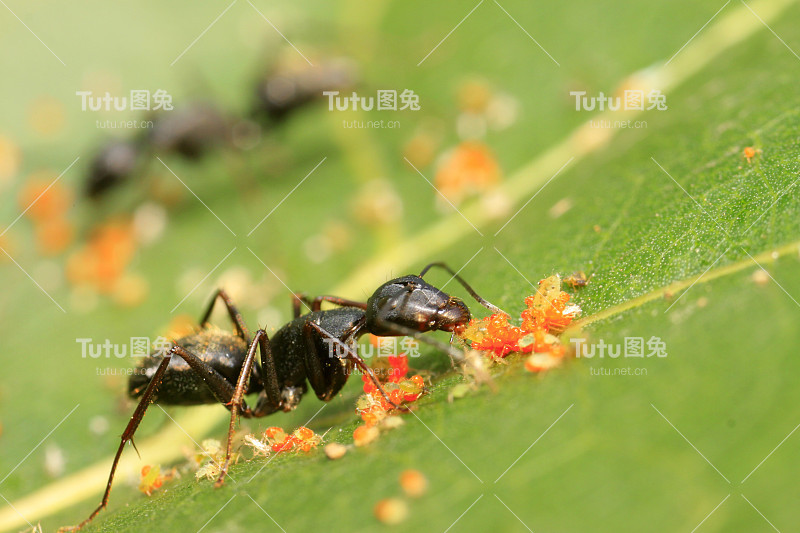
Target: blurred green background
612,463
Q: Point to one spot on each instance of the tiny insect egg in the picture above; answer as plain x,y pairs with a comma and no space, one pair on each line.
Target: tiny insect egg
364,435
539,362
760,277
391,422
414,483
391,510
10,158
334,450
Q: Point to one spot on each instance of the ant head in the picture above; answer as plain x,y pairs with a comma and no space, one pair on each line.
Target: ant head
413,303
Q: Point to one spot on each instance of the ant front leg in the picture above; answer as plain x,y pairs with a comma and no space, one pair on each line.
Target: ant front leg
300,298
315,373
233,312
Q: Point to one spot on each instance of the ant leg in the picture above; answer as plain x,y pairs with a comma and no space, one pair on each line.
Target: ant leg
231,397
298,299
323,385
488,305
220,387
312,361
269,377
233,312
237,403
127,435
316,304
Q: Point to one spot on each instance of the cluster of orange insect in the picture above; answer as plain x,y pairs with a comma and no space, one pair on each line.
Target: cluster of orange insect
467,170
101,261
547,313
152,479
46,204
373,407
300,440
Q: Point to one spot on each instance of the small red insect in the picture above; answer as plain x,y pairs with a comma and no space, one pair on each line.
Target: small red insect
749,153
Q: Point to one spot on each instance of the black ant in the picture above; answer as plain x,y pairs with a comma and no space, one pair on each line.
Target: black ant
213,365
114,163
287,88
200,128
190,132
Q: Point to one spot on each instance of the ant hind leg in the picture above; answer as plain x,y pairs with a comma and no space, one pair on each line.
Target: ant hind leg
299,299
233,312
127,435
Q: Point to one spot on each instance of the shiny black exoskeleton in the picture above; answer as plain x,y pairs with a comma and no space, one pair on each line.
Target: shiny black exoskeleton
317,349
287,88
114,163
189,132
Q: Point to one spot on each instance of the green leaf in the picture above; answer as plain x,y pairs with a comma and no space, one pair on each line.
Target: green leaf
670,220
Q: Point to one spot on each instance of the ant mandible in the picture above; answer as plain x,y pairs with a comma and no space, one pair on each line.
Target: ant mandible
213,365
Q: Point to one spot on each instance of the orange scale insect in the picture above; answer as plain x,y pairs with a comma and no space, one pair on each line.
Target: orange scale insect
499,347
398,368
273,433
370,418
412,388
283,446
43,199
411,396
369,386
544,315
558,323
396,396
304,433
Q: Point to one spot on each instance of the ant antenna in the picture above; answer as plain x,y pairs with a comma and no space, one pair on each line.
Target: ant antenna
488,305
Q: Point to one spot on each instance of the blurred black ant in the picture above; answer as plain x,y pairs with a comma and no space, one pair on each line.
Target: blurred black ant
115,162
190,132
213,365
288,88
199,128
